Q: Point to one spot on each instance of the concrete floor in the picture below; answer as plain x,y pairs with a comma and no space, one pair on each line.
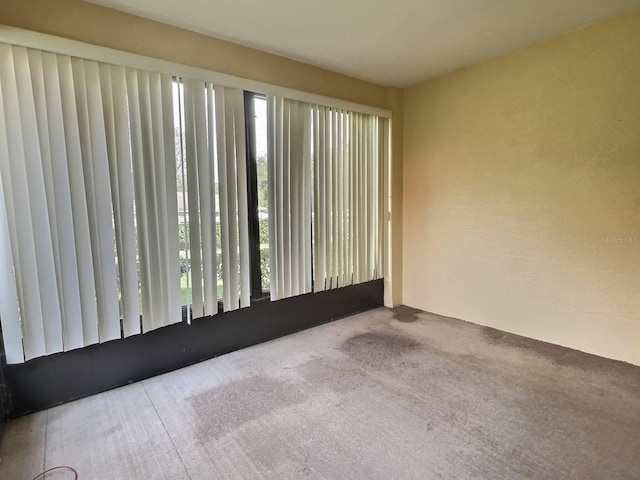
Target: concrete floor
380,395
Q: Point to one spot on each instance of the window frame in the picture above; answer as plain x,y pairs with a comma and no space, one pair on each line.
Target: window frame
257,291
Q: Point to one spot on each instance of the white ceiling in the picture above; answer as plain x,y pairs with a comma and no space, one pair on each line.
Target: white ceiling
401,42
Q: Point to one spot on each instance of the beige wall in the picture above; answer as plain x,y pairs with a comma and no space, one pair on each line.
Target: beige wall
90,23
517,172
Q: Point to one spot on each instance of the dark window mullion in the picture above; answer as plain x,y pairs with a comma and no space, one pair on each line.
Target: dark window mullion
252,195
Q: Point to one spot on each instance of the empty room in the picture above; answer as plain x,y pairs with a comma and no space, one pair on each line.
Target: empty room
330,240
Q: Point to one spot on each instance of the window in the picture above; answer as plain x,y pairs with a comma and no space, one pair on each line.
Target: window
94,164
212,160
127,195
256,115
326,204
89,202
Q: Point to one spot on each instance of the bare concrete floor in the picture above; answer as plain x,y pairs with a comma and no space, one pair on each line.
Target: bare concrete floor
380,395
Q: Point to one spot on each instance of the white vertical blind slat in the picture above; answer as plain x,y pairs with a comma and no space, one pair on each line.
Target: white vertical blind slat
169,197
297,208
367,196
318,201
353,246
328,140
359,197
344,192
324,213
282,202
375,211
9,316
337,212
340,195
149,162
307,194
295,148
212,179
335,136
347,200
198,92
285,188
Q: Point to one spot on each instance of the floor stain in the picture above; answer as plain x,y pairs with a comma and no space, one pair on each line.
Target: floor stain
378,349
405,314
230,406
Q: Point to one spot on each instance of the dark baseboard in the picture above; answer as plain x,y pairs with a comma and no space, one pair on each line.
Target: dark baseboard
44,382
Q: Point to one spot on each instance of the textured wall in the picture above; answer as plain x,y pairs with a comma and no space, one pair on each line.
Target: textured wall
522,191
91,23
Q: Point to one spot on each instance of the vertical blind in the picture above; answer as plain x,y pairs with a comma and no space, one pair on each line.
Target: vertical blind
289,195
150,105
326,196
89,248
233,197
216,158
349,151
124,198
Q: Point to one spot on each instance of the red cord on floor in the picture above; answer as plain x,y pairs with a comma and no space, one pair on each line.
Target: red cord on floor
62,467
